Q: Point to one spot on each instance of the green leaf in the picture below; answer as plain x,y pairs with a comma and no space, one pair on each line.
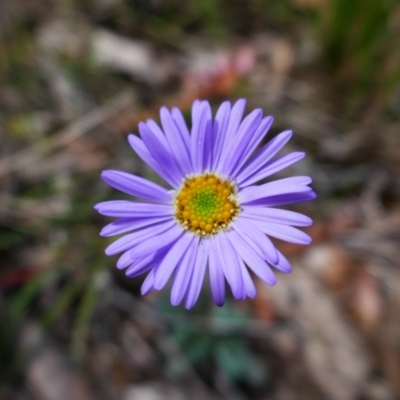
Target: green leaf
239,364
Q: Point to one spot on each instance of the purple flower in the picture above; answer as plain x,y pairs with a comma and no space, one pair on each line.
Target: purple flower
214,215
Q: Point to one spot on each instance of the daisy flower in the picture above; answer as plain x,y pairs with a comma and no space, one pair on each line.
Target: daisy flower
214,215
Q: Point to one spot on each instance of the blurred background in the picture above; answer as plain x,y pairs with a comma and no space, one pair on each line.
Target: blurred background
76,76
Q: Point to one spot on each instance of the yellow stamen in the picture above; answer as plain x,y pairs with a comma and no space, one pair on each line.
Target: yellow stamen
206,204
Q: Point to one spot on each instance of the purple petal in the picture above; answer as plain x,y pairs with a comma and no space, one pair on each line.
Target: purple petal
176,141
236,117
159,134
237,146
140,267
219,131
170,261
158,151
181,124
284,232
197,278
229,264
133,239
252,245
296,180
250,231
199,115
251,258
248,284
285,217
276,188
141,150
255,140
265,154
184,273
283,199
271,168
136,186
217,281
208,140
156,243
146,263
231,131
124,261
283,264
133,209
148,284
196,106
129,224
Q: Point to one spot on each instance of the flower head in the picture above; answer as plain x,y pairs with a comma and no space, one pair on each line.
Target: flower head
214,215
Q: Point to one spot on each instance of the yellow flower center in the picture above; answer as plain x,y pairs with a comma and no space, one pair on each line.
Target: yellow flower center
206,204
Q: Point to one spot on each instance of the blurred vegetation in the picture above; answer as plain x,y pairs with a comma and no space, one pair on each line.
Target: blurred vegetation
359,42
358,57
